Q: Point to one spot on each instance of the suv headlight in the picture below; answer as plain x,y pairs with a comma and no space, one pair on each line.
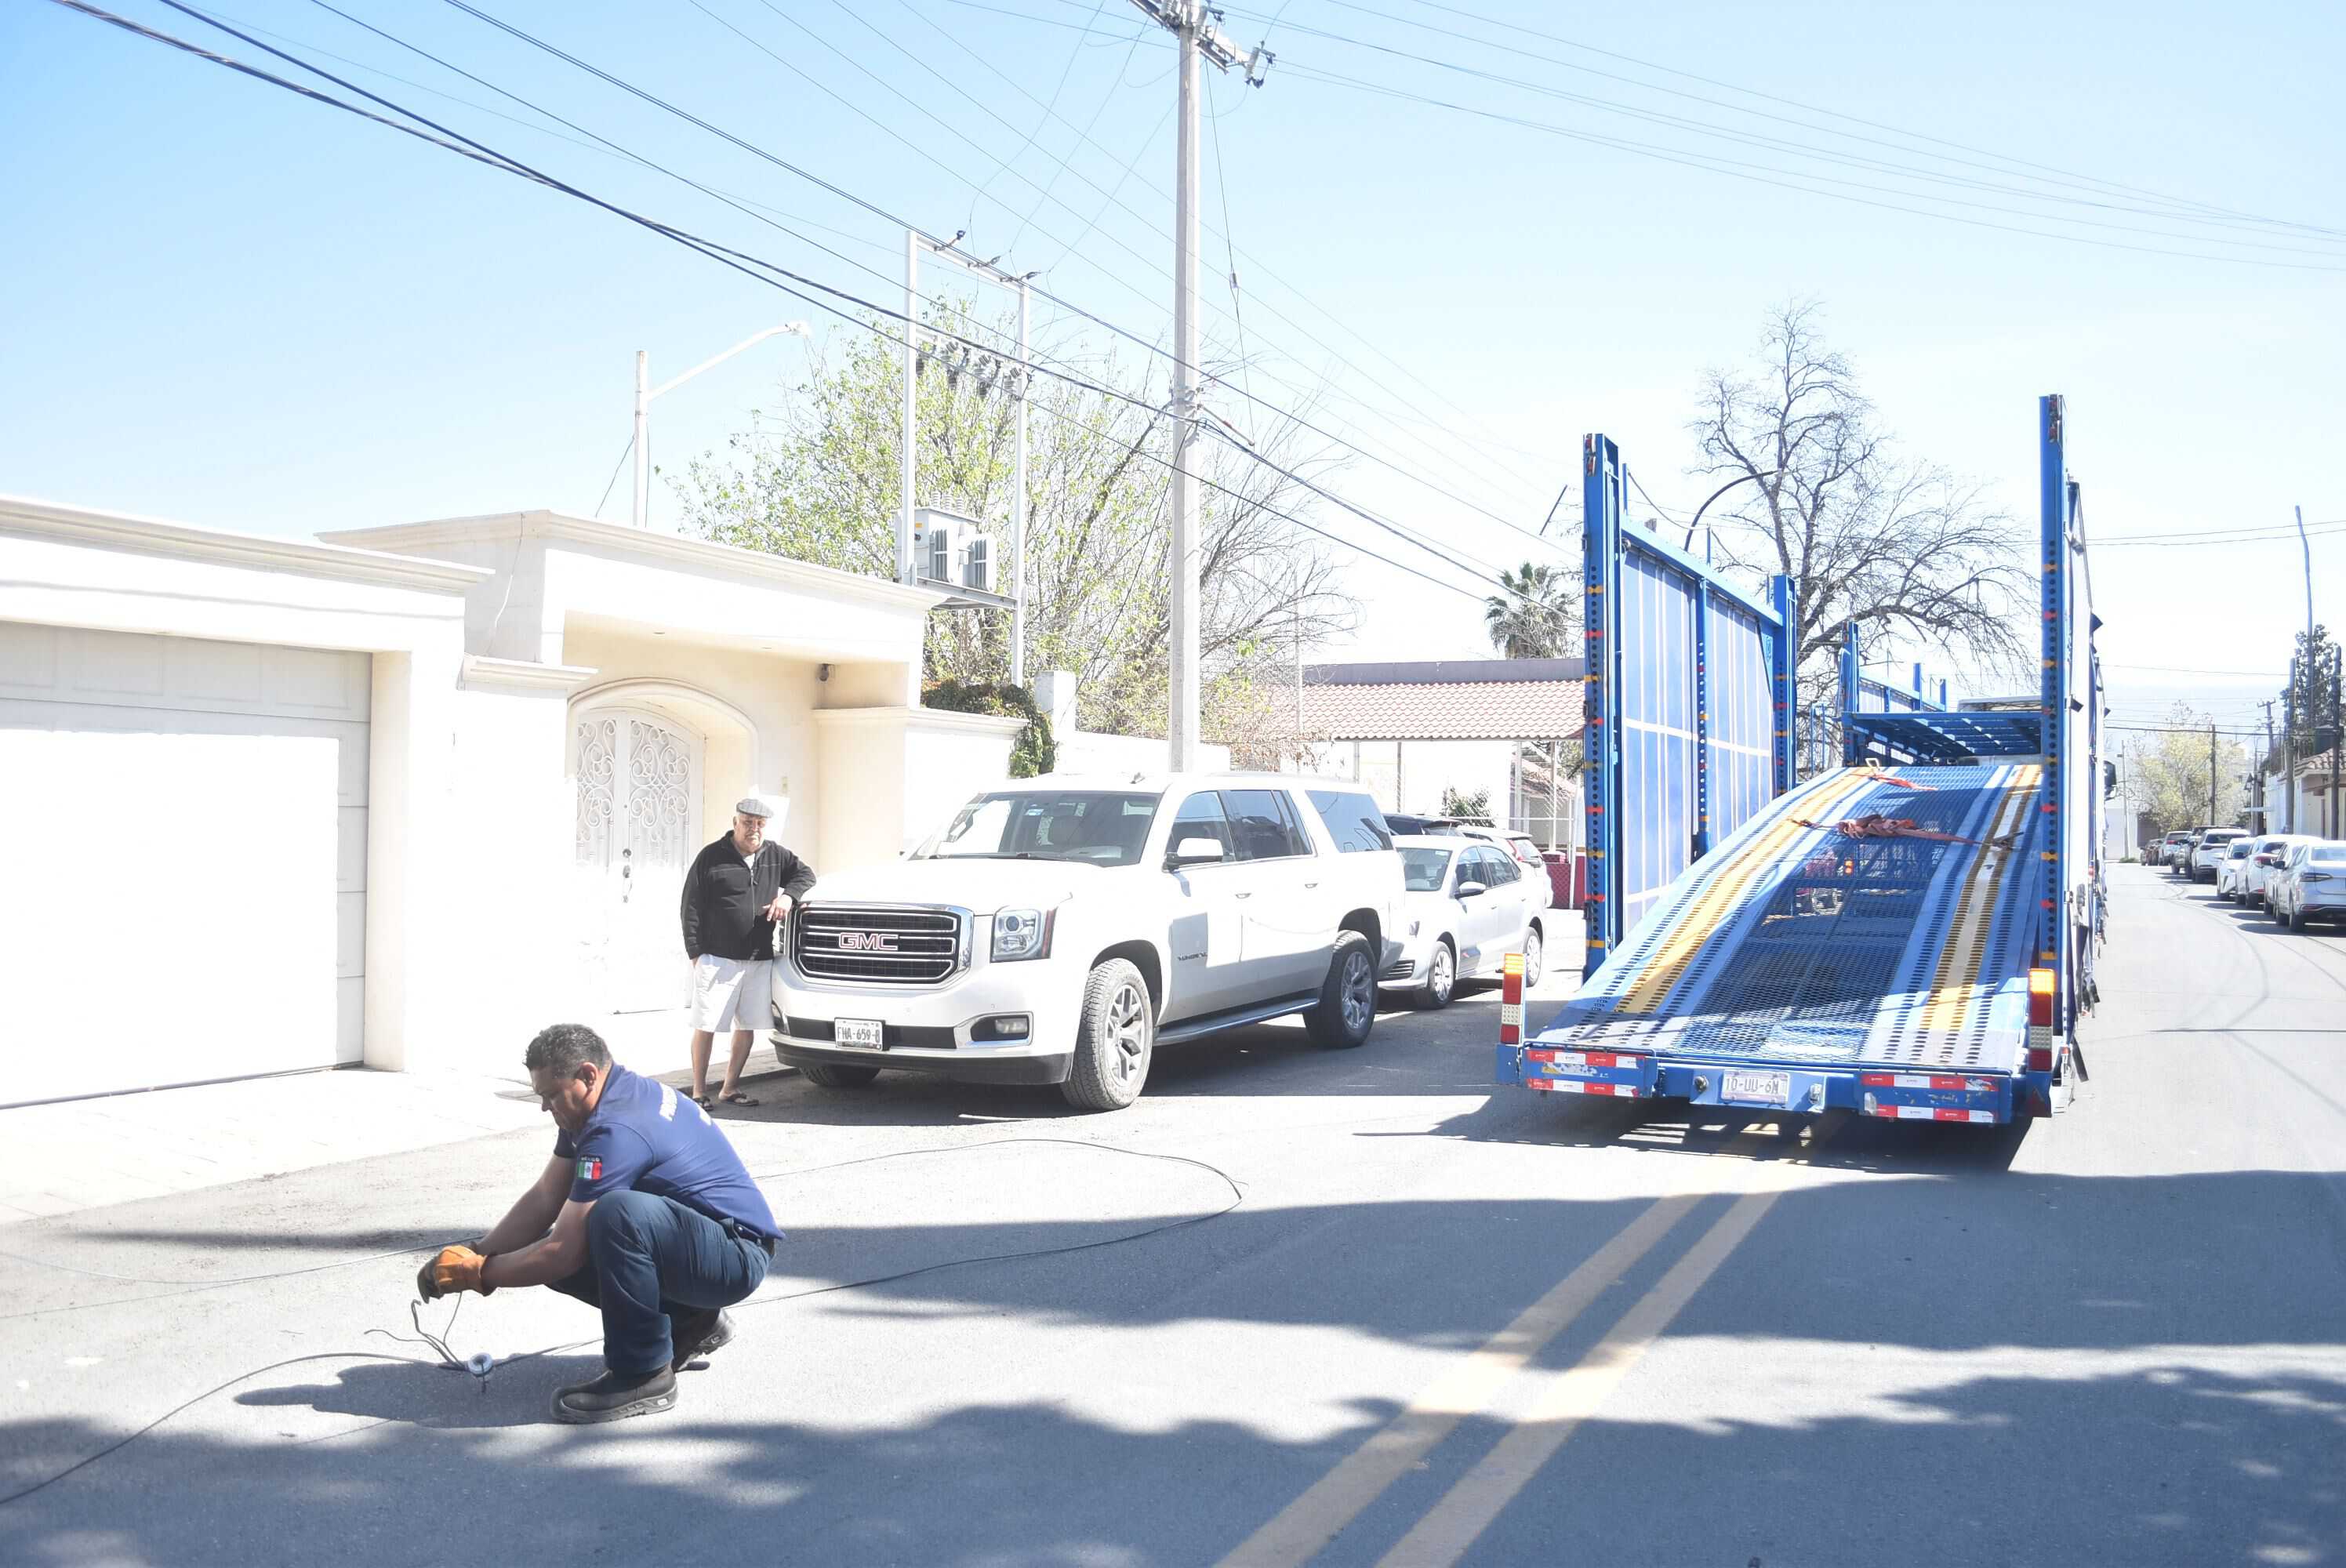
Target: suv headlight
1022,933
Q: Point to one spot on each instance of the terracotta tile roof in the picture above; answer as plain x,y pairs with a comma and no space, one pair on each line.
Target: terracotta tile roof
1465,699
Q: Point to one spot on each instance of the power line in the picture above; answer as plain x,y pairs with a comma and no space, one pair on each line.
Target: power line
2247,535
744,263
1255,262
1706,128
1782,179
1834,114
873,207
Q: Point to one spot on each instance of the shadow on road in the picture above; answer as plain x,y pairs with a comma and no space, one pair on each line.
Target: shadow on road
2169,1406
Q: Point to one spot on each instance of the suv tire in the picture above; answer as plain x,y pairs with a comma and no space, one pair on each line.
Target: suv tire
830,1075
1534,956
1347,1009
1441,978
1115,1038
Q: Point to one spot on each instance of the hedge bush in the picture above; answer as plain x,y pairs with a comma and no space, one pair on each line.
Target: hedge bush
1037,749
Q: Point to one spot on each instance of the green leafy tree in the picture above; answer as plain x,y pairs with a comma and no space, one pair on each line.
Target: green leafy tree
819,478
2171,769
2310,701
1535,614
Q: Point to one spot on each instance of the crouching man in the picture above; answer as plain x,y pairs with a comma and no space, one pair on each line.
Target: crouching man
644,1212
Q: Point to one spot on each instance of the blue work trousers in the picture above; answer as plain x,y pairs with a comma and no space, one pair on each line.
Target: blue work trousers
651,1259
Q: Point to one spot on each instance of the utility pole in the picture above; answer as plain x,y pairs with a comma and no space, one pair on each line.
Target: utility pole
2211,776
1189,22
908,569
2264,800
912,390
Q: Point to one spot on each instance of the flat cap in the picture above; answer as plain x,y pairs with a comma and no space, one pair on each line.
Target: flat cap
769,807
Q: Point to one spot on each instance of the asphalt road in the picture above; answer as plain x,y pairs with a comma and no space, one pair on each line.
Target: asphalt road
1443,1323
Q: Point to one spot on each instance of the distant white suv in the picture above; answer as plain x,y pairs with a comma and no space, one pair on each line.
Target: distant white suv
1059,930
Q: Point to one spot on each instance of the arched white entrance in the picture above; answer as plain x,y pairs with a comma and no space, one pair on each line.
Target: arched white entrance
641,751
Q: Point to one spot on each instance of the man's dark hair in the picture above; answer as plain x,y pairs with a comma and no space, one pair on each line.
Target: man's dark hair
564,1048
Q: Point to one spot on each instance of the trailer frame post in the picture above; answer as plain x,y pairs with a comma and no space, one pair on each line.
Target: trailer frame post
2052,944
1701,846
1601,506
1785,676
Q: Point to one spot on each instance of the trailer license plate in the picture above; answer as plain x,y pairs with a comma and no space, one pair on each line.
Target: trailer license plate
1758,1088
858,1035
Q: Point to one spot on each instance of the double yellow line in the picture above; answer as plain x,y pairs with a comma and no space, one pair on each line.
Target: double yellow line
1304,1527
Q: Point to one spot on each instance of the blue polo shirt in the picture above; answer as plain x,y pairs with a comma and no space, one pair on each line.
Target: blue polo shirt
644,1136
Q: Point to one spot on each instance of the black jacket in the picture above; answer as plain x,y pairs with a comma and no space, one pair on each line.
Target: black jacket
724,903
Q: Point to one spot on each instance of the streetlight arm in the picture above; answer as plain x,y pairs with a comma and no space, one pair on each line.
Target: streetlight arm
797,329
1740,478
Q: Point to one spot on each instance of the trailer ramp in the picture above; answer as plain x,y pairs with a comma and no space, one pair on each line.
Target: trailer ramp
1821,955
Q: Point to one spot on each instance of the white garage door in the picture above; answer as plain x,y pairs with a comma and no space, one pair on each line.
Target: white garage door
182,860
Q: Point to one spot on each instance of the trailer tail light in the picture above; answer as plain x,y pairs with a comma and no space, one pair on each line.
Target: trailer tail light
2040,999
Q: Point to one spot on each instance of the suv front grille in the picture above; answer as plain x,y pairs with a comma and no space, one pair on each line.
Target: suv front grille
877,944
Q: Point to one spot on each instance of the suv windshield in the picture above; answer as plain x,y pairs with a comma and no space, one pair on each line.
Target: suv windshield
1097,827
1423,870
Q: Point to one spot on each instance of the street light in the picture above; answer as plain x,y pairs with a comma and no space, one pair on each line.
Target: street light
646,392
1741,479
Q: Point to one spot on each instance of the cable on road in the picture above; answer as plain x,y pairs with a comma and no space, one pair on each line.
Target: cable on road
479,1367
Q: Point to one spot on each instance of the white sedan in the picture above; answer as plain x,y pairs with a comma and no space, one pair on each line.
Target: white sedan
1466,907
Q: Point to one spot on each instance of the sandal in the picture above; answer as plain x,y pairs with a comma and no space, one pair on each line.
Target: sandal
738,1098
706,1102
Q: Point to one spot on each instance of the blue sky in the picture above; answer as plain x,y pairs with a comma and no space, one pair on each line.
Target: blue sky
233,308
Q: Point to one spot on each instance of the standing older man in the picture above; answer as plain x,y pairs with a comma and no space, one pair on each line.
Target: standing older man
738,890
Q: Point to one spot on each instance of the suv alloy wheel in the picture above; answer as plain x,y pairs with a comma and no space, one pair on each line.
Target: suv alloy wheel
1115,1037
1347,1009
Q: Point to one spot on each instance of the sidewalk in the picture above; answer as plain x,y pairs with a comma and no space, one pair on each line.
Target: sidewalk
86,1154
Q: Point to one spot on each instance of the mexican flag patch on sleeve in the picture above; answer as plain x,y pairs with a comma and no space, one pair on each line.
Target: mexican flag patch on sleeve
590,1170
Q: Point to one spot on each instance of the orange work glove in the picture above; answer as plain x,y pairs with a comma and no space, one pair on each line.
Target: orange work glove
456,1268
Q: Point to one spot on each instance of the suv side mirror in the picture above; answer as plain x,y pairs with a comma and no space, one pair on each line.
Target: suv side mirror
1472,890
1195,851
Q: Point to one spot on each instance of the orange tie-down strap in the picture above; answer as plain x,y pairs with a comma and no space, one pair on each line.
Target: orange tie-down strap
1874,825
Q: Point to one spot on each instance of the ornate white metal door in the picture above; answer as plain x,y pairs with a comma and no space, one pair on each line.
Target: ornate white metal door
639,794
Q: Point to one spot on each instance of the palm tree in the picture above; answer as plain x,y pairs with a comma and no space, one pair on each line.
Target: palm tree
1531,616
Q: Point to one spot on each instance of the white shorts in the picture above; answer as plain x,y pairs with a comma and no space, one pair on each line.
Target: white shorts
732,994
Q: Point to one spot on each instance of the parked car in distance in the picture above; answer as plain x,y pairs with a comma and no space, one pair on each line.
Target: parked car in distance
2209,850
2265,863
1521,846
2311,884
2171,848
1059,929
1468,904
2233,869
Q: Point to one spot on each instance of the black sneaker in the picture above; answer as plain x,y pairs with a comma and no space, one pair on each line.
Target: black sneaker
614,1397
698,1334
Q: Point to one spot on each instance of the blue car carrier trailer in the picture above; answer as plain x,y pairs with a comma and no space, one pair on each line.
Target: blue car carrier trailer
1909,936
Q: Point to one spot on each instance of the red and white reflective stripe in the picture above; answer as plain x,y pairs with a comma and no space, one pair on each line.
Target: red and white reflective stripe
1511,1000
1931,1113
1581,1086
1581,1058
1927,1081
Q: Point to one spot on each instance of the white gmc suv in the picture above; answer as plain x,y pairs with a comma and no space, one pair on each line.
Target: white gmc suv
1059,930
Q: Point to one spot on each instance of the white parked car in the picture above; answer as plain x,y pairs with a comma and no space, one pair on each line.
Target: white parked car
2264,864
1059,929
2209,850
2311,884
1469,905
2232,871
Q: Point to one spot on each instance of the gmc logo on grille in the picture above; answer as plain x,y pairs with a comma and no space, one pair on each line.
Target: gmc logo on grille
866,942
